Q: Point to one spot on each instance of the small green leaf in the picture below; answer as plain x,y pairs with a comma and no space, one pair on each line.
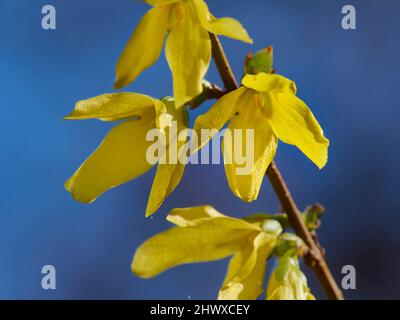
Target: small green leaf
312,215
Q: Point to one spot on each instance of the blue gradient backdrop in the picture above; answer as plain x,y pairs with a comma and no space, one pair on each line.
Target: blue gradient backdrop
349,78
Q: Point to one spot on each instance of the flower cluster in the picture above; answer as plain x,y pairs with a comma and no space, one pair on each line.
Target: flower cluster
266,103
203,234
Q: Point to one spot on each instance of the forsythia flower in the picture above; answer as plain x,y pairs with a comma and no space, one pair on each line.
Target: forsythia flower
268,104
287,282
188,46
204,234
122,154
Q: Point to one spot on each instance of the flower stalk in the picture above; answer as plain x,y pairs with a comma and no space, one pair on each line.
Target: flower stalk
314,257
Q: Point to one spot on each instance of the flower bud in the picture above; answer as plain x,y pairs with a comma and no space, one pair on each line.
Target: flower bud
260,62
272,227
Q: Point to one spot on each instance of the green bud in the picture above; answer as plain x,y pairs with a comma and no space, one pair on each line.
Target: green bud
287,282
260,62
272,227
289,245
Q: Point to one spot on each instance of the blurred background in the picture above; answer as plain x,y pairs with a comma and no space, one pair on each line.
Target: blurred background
348,77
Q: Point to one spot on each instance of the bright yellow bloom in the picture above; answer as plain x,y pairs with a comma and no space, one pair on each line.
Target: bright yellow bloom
122,154
268,104
188,47
203,234
287,282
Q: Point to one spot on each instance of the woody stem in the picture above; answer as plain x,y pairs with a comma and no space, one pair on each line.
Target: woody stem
315,257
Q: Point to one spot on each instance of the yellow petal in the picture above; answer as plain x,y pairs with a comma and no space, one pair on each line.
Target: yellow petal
273,83
113,107
208,241
167,178
119,158
245,179
188,51
224,26
294,123
160,2
310,296
170,172
185,217
144,46
195,216
218,115
165,181
287,282
246,270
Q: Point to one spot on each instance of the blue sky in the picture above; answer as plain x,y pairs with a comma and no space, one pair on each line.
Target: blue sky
348,78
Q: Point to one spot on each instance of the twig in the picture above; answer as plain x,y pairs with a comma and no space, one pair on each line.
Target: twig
314,258
224,69
210,91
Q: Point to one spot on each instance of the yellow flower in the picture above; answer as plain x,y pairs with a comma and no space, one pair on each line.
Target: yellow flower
122,154
188,46
287,282
266,103
203,234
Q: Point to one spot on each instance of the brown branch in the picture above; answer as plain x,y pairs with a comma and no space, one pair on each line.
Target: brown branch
314,258
210,91
224,69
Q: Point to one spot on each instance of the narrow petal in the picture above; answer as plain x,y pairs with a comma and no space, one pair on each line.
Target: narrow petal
119,158
246,271
144,46
224,26
188,51
165,181
167,178
170,172
294,123
218,115
206,242
113,107
245,179
195,216
273,83
186,217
